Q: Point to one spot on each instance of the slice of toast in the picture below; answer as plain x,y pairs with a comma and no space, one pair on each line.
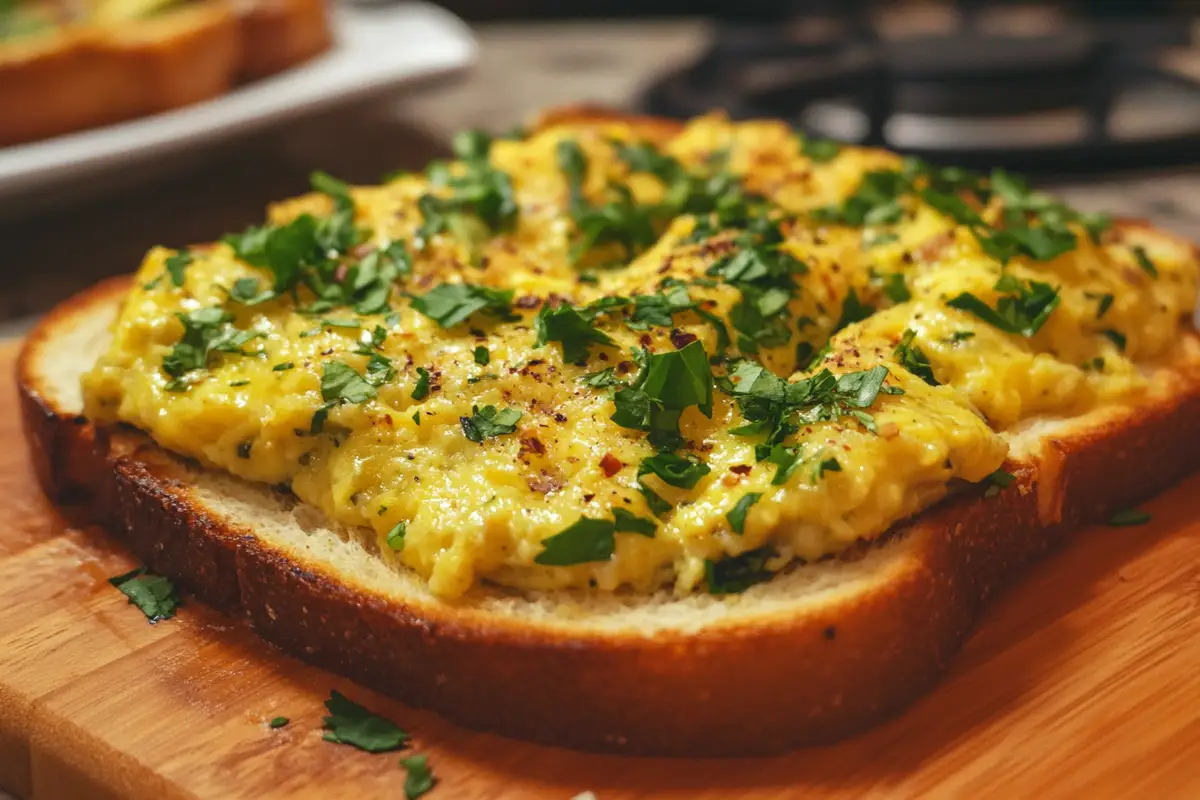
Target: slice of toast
110,67
817,653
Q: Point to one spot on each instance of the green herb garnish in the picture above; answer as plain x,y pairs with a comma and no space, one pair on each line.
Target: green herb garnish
154,595
737,514
351,724
913,359
1023,310
419,779
452,303
488,422
1125,517
583,541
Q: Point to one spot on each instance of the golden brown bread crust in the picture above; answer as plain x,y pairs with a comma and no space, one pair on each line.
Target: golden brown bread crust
765,686
102,76
277,34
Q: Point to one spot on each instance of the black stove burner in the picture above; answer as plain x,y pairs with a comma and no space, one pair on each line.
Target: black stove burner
1085,92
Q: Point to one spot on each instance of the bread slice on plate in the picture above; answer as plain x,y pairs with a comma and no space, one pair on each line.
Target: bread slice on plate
820,651
120,60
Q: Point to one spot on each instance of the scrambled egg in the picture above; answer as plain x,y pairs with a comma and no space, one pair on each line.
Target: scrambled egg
451,423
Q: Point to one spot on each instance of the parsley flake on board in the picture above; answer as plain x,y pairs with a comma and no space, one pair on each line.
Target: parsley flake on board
1023,309
737,514
351,724
154,595
570,328
487,422
913,359
279,722
738,573
1125,517
452,303
419,778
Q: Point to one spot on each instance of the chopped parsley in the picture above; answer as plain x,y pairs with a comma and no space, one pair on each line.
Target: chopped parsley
775,407
1116,337
206,331
667,384
1143,261
894,287
341,383
658,309
154,595
1023,309
603,379
628,522
737,574
737,514
853,310
1125,517
351,724
488,422
913,359
419,778
283,366
764,274
998,480
395,537
1103,302
452,303
819,151
583,541
573,330
674,470
421,389
279,722
176,264
480,202
482,355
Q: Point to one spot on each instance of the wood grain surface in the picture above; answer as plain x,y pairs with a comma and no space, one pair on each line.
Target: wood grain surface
1082,681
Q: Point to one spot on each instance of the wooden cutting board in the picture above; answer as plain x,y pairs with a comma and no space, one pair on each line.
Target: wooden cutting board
1083,681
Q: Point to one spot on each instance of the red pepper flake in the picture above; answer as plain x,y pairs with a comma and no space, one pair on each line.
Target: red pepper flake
611,465
339,274
741,469
681,339
560,417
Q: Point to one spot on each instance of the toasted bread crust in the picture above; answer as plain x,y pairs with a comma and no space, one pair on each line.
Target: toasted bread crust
83,79
742,687
277,34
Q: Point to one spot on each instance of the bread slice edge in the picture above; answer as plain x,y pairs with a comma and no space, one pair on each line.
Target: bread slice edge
816,654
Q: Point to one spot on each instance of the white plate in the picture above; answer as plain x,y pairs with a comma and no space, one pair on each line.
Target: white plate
376,48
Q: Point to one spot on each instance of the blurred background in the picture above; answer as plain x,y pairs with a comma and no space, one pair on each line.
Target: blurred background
1099,101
